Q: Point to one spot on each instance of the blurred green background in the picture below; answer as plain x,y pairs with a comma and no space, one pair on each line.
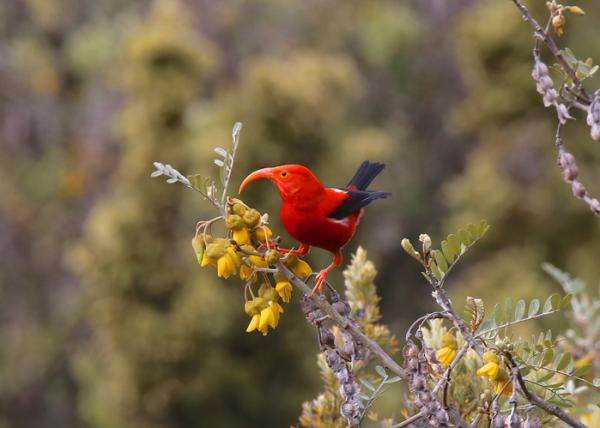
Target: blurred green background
106,320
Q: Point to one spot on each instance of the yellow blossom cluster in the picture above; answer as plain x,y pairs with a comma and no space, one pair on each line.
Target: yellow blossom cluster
248,250
494,372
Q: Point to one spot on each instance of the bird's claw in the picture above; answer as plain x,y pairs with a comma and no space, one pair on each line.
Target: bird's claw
321,278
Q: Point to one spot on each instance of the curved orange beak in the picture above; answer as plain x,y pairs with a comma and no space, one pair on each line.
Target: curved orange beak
261,173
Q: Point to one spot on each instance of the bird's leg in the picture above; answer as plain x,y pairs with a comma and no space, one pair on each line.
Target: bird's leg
301,251
322,276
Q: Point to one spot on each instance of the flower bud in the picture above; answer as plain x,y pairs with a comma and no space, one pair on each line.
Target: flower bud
263,233
558,24
217,248
251,217
490,357
253,306
272,257
408,247
233,221
267,292
575,10
238,207
198,245
426,240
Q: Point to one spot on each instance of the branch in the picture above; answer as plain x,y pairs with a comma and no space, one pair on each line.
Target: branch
568,168
442,299
343,322
542,35
540,402
440,296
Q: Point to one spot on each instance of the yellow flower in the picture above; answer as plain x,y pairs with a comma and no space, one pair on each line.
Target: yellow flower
489,370
500,387
277,310
254,322
225,266
207,260
490,367
246,272
492,370
228,263
269,317
258,261
241,236
301,269
446,354
263,233
284,289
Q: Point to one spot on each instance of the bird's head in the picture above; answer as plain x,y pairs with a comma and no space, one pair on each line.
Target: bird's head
290,180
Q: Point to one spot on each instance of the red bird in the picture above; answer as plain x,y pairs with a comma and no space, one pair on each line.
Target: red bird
324,217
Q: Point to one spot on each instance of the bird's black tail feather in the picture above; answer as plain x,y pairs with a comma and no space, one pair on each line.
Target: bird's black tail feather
365,174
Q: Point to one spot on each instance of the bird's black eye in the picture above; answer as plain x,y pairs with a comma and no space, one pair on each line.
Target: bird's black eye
284,173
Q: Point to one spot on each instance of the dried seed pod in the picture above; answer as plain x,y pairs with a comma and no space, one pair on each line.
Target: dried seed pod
593,116
578,189
566,162
595,206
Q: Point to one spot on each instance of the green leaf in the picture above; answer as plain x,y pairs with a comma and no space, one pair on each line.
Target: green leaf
368,384
498,314
566,301
547,358
583,370
483,228
534,307
464,237
436,271
440,260
564,361
555,301
473,229
549,303
545,377
508,309
381,371
525,371
454,244
448,251
487,325
520,310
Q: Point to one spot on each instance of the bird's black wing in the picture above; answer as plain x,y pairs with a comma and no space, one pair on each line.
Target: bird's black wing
366,173
356,200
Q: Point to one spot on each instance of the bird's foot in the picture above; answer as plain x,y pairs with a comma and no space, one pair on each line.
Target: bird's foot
321,279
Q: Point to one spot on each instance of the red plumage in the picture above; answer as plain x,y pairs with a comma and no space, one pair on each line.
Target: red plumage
319,216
